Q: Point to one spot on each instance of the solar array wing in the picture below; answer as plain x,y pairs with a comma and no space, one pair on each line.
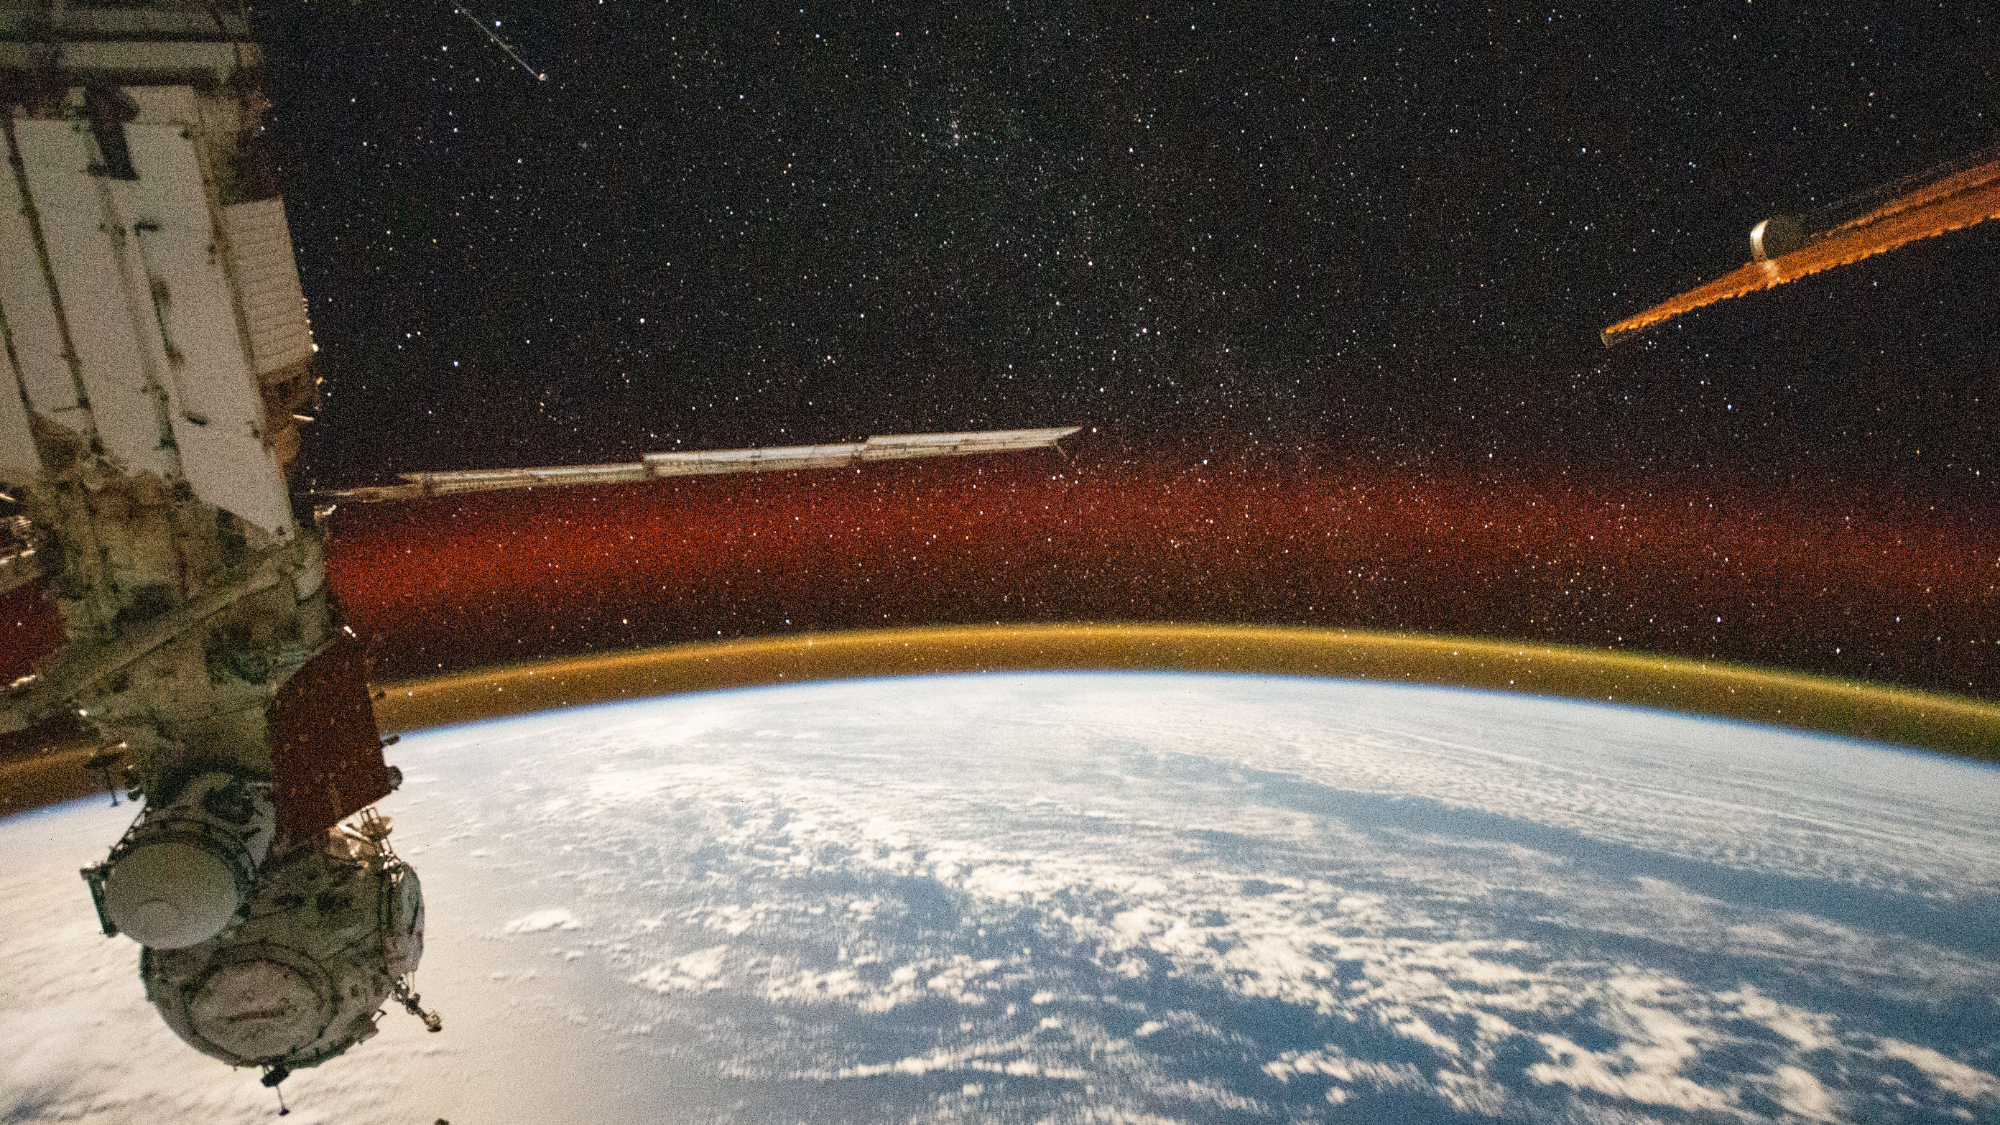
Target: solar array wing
1959,200
121,314
959,445
654,466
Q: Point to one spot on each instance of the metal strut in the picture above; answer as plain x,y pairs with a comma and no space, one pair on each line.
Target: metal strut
274,1077
414,1004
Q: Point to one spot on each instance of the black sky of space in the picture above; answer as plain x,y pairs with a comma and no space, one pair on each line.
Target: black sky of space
1389,231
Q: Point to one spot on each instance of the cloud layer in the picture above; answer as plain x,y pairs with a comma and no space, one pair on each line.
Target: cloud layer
1169,898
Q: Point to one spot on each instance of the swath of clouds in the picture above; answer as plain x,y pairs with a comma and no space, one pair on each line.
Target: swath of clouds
555,918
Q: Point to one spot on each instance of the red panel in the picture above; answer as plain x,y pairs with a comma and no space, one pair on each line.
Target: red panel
325,748
30,630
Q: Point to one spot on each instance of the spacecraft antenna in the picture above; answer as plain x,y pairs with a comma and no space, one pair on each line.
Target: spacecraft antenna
102,761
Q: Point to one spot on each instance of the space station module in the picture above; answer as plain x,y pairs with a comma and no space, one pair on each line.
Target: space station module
155,360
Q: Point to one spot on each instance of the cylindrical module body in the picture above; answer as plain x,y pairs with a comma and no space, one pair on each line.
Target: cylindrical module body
303,977
187,867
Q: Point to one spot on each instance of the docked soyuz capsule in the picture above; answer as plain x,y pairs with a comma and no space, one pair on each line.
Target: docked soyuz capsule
329,937
185,868
1775,237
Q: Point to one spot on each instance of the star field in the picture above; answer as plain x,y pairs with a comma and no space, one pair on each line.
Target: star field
1351,258
717,226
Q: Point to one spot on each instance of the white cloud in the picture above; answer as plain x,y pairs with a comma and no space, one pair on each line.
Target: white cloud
1950,1074
1800,1093
815,882
554,918
700,971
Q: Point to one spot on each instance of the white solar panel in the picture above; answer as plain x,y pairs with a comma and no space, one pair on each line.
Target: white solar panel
18,459
716,461
84,226
487,480
960,445
31,315
213,403
776,459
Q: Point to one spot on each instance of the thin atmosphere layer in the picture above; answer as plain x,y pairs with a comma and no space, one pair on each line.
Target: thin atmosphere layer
1966,727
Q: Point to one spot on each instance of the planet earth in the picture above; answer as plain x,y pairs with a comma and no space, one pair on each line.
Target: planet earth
1112,897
